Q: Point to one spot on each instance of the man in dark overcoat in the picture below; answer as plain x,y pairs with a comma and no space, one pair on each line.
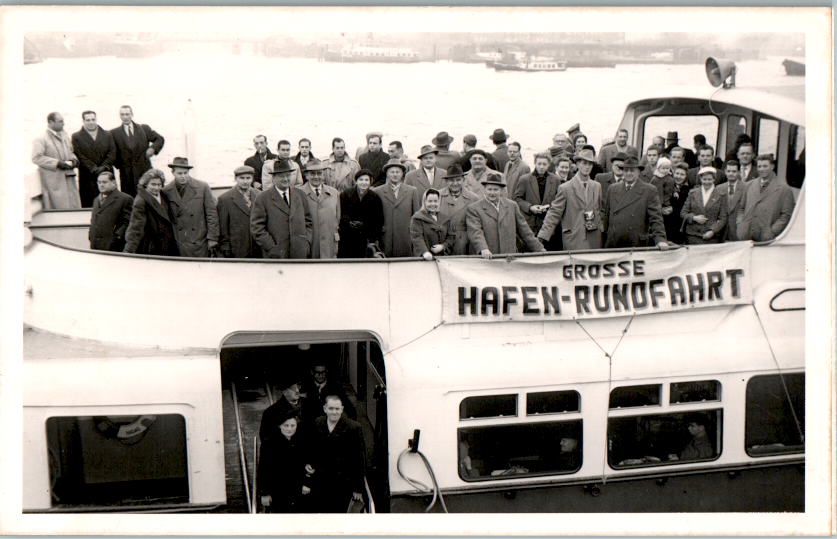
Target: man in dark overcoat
96,153
633,216
399,201
110,216
258,159
135,145
234,217
280,220
338,459
535,191
194,209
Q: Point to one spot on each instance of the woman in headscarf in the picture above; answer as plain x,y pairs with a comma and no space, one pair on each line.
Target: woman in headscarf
281,477
664,182
361,219
151,229
432,234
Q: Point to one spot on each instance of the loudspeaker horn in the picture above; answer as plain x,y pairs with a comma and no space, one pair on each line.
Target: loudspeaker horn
720,71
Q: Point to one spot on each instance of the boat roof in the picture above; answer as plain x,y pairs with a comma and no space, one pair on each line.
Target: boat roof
785,102
40,344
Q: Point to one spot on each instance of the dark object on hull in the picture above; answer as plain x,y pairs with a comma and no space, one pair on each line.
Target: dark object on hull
794,68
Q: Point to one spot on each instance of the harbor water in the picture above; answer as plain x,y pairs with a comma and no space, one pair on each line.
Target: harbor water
208,104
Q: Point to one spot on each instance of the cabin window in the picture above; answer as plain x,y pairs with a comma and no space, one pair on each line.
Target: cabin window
663,439
698,391
775,416
795,171
768,138
510,451
686,127
634,396
488,406
117,460
552,402
736,125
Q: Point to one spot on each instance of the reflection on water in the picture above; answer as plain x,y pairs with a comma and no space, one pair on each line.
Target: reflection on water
236,97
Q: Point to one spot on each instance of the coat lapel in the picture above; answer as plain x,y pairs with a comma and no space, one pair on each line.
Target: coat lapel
488,209
626,198
152,202
278,201
238,200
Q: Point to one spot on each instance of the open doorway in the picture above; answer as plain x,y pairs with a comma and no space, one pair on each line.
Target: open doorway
259,369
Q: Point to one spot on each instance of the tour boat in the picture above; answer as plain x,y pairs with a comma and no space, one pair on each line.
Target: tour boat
144,376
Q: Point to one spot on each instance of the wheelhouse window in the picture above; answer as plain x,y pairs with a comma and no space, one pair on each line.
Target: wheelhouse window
795,171
117,460
698,391
686,126
635,396
768,136
524,449
663,439
488,406
552,402
775,415
736,125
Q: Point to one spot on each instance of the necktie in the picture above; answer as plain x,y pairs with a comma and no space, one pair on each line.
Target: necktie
285,196
732,190
317,190
130,130
763,185
628,187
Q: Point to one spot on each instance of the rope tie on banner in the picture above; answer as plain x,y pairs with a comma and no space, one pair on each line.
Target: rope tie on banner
609,357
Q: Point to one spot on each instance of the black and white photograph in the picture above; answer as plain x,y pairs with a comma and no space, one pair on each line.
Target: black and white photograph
559,261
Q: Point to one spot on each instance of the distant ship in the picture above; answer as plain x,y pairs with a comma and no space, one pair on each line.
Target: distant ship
366,53
531,64
794,68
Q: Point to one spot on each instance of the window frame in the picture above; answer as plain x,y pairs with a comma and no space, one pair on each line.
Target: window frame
747,447
562,413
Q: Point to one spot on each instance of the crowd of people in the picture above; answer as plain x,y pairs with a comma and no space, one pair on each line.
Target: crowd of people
382,204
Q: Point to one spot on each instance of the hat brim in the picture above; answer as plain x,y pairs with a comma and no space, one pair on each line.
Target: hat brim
283,171
638,167
579,158
451,176
180,166
435,152
402,167
442,142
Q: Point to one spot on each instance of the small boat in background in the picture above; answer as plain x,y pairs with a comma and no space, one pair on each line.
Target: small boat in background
531,64
794,68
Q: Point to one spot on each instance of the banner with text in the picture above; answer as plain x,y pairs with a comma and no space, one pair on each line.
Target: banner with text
595,285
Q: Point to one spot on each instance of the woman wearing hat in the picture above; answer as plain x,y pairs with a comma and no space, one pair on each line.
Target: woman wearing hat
705,211
151,230
281,474
361,218
431,233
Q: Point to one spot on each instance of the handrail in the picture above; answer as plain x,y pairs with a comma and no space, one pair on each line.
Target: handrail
254,505
371,504
241,456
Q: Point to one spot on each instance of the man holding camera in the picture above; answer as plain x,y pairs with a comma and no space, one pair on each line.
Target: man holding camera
53,153
576,208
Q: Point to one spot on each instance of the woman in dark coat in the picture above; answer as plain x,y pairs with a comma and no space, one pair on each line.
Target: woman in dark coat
151,230
679,193
281,477
361,218
431,233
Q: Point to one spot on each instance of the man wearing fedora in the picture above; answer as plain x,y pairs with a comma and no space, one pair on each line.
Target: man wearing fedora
455,198
672,141
324,204
374,158
496,225
399,202
194,210
234,216
632,215
283,153
501,153
428,174
576,209
441,143
606,179
135,145
280,220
